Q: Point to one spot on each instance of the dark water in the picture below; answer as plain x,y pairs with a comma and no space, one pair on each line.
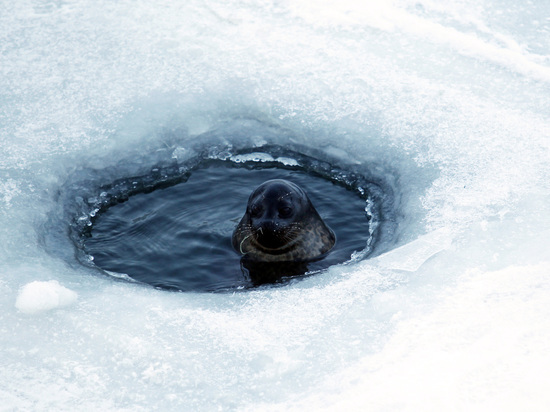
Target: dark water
180,237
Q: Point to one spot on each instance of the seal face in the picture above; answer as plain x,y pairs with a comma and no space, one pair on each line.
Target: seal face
281,225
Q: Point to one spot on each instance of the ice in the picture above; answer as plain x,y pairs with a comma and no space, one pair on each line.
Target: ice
411,256
443,104
37,297
461,355
263,157
253,157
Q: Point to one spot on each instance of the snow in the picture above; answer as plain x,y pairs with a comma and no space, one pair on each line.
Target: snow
469,353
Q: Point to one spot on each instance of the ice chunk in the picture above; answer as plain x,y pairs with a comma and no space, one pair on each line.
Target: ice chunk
287,161
39,296
253,157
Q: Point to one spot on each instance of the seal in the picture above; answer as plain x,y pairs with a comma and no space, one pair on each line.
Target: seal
281,225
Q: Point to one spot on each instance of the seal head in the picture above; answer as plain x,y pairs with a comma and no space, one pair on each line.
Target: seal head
281,225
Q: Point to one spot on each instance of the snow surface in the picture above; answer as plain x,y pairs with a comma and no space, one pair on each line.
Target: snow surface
445,102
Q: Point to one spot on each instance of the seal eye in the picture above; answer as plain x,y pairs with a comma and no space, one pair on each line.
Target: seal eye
285,212
256,210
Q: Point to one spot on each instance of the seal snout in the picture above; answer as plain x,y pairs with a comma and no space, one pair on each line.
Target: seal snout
270,235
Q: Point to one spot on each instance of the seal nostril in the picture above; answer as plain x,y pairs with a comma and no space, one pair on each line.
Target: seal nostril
268,226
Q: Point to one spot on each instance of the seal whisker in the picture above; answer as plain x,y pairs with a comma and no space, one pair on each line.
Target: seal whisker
241,245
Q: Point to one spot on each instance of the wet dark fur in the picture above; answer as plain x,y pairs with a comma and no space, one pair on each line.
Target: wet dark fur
269,236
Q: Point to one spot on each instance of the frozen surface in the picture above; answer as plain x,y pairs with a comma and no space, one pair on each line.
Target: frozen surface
445,103
411,256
